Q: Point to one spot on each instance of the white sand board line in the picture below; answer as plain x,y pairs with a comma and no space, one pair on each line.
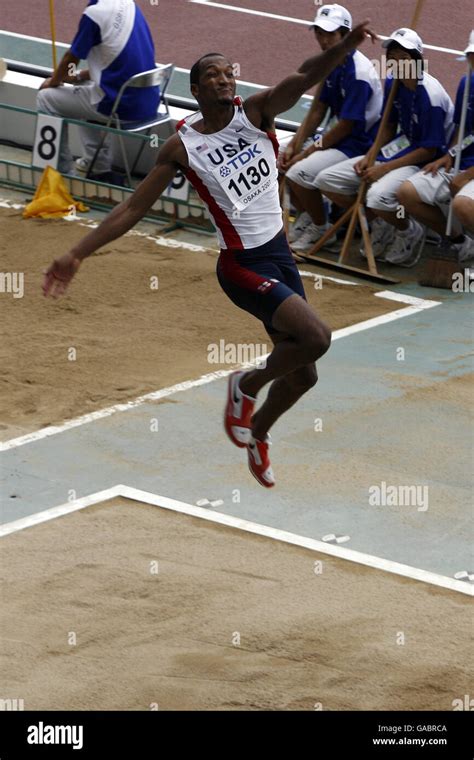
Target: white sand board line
415,305
163,502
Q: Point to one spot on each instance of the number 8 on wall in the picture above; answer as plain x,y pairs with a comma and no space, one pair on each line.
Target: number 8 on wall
47,141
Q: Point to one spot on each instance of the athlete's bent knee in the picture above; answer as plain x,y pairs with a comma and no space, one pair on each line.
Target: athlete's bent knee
318,342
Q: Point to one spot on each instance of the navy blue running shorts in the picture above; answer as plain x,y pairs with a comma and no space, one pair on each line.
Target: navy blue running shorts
259,279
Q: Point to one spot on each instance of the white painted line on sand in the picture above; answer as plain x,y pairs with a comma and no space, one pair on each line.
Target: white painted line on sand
420,303
64,509
416,305
369,560
315,276
188,384
380,320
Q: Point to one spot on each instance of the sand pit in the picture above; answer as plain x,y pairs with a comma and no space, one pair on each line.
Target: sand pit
225,620
127,337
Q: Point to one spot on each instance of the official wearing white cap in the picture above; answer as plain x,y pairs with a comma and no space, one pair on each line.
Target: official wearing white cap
423,109
430,190
332,17
407,38
353,94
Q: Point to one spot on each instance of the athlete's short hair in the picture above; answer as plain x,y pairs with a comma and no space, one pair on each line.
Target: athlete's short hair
196,68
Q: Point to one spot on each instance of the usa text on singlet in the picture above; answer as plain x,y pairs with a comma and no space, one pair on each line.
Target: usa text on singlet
235,173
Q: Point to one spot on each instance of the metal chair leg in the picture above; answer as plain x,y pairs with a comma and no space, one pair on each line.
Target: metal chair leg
124,154
138,156
99,148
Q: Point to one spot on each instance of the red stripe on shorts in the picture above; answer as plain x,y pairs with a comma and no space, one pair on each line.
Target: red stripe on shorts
244,278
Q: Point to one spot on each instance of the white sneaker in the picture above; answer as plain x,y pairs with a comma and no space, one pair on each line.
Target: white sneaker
82,164
297,229
406,248
464,250
382,235
311,235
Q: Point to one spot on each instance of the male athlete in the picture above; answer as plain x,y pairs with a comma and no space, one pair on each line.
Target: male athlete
228,153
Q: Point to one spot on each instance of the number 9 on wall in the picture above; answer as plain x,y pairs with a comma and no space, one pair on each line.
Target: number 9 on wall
47,141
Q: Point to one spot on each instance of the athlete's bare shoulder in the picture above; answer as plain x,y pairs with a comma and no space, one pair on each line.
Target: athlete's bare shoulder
173,152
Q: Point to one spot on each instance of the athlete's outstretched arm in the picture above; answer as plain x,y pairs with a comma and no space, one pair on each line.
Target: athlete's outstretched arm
264,106
172,155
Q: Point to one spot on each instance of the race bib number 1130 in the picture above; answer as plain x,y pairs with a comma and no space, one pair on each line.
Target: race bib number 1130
246,177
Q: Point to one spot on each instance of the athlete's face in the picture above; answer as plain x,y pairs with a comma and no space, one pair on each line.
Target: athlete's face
327,40
470,58
216,82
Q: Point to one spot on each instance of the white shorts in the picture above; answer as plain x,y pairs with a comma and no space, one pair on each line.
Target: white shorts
467,191
306,172
432,190
381,196
435,190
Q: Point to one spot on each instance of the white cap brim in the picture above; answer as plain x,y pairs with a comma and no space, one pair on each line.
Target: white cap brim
400,41
327,25
469,49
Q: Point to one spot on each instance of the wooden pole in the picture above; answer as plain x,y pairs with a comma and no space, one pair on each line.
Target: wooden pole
53,32
371,160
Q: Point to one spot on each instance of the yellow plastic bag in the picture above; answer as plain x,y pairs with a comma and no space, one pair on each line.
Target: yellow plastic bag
52,198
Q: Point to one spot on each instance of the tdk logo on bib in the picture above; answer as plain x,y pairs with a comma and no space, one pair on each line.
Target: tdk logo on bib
240,160
248,175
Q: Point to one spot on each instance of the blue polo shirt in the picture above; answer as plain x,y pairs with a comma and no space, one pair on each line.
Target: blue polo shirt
353,91
467,156
423,115
116,41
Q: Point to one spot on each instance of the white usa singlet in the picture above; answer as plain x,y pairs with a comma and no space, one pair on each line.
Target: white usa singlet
235,173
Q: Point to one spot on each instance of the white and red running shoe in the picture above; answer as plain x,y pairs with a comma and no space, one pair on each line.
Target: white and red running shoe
238,412
259,461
